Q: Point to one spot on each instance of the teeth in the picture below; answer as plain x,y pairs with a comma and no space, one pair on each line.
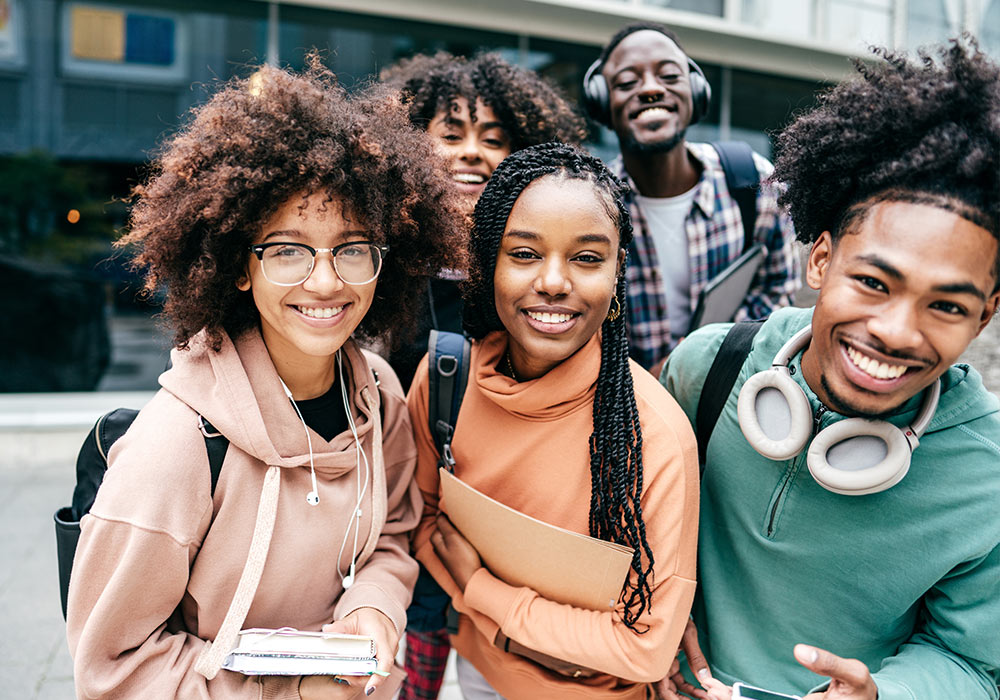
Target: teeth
471,178
656,112
326,312
874,368
550,318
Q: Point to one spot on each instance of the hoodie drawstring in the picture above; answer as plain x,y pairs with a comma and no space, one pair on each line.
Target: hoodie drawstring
214,653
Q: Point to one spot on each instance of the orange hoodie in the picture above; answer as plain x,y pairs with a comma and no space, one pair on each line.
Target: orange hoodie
526,445
159,562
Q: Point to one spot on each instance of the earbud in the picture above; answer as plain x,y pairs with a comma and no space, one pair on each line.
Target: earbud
312,498
349,579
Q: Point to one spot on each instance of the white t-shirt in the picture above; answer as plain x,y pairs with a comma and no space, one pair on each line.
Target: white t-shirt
665,223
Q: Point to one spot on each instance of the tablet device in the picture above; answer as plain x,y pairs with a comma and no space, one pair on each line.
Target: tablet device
723,296
748,692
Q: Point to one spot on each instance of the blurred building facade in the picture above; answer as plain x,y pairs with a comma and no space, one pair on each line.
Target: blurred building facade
89,88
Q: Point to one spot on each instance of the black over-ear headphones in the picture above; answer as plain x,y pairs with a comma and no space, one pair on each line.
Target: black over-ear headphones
596,97
853,457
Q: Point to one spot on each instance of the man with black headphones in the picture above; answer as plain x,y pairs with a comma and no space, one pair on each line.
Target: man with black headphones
849,542
690,221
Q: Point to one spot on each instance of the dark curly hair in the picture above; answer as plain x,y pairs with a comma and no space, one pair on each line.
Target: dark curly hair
530,110
925,131
616,443
260,141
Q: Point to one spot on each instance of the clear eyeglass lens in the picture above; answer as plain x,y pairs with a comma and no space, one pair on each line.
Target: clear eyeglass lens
357,264
292,264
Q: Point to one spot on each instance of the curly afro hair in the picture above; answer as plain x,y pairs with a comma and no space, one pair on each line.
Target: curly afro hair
530,109
925,131
259,142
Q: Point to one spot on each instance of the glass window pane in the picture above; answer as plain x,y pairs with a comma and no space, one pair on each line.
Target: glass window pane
858,23
762,104
780,17
989,31
702,7
928,21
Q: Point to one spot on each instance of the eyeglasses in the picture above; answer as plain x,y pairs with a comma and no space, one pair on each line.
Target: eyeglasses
289,264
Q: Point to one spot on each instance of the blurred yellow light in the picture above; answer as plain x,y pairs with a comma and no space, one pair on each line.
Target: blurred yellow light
73,216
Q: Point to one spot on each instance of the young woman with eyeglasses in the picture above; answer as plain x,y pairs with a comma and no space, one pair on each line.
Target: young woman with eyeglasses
284,220
558,423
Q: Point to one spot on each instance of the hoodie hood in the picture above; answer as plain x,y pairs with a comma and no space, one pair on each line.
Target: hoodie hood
238,391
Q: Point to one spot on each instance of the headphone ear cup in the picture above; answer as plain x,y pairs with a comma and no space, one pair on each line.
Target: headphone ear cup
855,456
774,414
595,95
701,92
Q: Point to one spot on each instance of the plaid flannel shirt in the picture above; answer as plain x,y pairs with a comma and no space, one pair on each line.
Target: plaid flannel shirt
715,238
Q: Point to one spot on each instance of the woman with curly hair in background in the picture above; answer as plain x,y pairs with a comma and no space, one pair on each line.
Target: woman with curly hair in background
284,220
477,111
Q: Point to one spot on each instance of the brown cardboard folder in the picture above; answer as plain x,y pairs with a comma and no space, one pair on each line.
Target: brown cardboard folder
560,565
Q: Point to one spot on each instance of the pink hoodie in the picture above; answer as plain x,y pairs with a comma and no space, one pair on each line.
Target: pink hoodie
159,562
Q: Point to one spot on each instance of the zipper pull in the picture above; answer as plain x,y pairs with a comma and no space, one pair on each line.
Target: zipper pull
818,417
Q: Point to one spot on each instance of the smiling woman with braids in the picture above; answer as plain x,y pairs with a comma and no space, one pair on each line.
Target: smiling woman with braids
556,417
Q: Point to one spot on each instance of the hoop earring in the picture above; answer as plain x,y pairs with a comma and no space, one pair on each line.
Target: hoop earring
614,313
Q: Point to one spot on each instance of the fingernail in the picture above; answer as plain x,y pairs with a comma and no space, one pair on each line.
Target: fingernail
703,673
369,690
808,654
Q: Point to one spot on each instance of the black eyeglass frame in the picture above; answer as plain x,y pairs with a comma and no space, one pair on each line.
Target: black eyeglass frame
258,250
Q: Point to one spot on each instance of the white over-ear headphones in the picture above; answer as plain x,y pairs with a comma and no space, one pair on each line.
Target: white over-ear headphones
853,457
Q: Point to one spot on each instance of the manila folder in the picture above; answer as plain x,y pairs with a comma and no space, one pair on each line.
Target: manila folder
558,564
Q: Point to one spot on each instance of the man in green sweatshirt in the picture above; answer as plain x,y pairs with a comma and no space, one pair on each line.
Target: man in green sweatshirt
826,568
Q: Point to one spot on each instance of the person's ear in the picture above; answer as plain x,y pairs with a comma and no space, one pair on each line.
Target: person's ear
989,311
243,283
621,263
819,260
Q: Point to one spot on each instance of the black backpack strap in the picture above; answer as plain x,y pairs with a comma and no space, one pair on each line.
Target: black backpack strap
447,376
720,379
216,445
742,179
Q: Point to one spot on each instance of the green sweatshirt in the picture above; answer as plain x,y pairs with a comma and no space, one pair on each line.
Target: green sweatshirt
907,580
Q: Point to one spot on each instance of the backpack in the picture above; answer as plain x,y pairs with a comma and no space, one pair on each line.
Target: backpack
92,463
742,178
447,377
720,379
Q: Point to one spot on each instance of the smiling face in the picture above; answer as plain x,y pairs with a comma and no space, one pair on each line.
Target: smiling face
303,326
900,298
555,273
649,92
473,148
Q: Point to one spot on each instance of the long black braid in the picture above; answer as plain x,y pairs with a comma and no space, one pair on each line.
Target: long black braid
616,443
